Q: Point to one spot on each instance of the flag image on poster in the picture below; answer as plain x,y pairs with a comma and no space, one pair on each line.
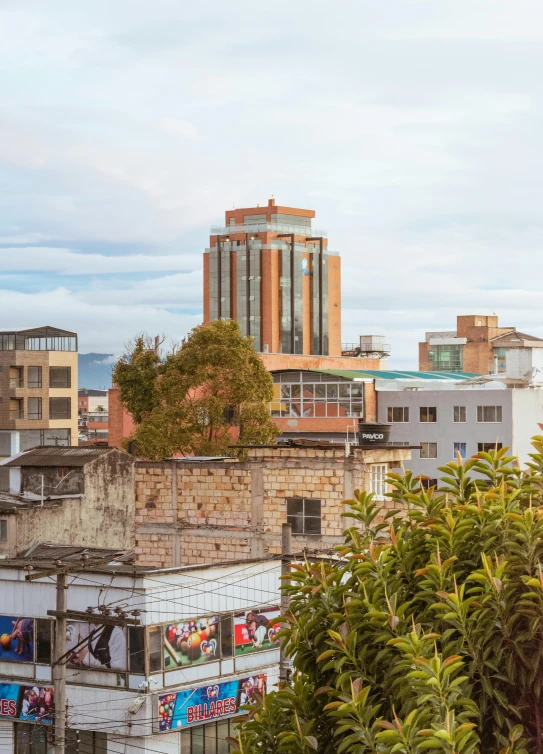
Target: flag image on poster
190,706
256,630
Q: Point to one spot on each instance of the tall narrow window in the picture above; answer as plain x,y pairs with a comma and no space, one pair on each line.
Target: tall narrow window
378,474
34,377
459,414
34,408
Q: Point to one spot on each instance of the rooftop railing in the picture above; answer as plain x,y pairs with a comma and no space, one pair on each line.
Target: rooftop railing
299,230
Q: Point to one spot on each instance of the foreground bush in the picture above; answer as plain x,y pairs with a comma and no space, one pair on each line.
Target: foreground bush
426,633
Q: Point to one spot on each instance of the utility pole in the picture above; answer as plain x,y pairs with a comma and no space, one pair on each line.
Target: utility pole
286,556
61,615
59,667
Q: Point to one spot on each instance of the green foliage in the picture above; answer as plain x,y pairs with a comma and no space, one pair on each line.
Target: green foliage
189,401
426,633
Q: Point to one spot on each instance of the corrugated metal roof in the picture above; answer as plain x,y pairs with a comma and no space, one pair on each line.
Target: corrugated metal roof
57,456
376,374
70,553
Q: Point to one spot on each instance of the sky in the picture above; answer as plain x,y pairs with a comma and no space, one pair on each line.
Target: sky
412,128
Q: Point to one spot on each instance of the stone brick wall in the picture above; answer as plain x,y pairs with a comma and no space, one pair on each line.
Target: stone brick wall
190,512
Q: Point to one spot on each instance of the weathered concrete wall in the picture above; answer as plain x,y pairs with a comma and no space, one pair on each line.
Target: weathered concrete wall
194,512
103,517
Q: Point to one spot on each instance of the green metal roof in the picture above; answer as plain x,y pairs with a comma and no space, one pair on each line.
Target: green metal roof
375,374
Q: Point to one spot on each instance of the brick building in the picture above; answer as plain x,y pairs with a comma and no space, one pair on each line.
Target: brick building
193,511
269,270
477,346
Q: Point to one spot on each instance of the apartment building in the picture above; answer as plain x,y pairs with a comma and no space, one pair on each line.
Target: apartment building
478,345
38,389
271,271
93,416
462,417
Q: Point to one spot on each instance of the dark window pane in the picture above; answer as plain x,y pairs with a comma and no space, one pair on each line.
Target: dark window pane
226,636
312,525
295,506
312,507
136,639
331,391
297,524
43,640
60,408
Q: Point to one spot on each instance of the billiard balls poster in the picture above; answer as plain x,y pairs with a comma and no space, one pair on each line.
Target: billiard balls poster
256,630
198,706
191,642
16,639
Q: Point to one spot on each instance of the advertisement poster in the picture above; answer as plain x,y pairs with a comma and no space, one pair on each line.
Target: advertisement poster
105,650
16,639
30,703
256,630
191,642
182,708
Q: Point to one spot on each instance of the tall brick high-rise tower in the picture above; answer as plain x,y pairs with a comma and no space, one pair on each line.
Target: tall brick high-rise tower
271,272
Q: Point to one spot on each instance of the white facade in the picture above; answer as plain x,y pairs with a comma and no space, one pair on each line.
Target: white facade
123,702
458,417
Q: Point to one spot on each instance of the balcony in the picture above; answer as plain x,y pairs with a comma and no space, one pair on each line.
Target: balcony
16,413
16,382
298,230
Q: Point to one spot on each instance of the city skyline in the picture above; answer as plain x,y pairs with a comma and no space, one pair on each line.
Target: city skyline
410,129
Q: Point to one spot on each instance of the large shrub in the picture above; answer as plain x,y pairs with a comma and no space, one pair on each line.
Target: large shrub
425,634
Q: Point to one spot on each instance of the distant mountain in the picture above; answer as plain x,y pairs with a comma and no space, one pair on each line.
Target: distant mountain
95,370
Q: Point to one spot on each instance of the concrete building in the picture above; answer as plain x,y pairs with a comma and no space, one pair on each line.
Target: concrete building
91,401
38,389
191,510
173,684
466,416
83,496
478,346
269,270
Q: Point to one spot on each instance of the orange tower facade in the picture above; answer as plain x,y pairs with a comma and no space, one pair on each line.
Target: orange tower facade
269,270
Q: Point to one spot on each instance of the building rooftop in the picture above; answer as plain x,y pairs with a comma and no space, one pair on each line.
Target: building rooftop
516,339
71,456
375,374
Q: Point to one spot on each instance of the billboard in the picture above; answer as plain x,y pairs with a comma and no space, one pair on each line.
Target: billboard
191,642
103,647
256,630
181,708
30,703
16,639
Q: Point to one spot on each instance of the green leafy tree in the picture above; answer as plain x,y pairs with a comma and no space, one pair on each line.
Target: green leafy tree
425,634
190,400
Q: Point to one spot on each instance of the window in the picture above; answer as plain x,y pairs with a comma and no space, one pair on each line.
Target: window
428,450
428,414
16,377
446,358
136,649
34,377
460,447
378,474
294,397
305,515
60,408
209,738
16,408
30,738
426,483
3,529
459,414
155,648
398,414
43,640
60,377
486,447
34,408
489,414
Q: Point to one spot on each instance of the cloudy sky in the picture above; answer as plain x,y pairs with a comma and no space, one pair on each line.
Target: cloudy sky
412,127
